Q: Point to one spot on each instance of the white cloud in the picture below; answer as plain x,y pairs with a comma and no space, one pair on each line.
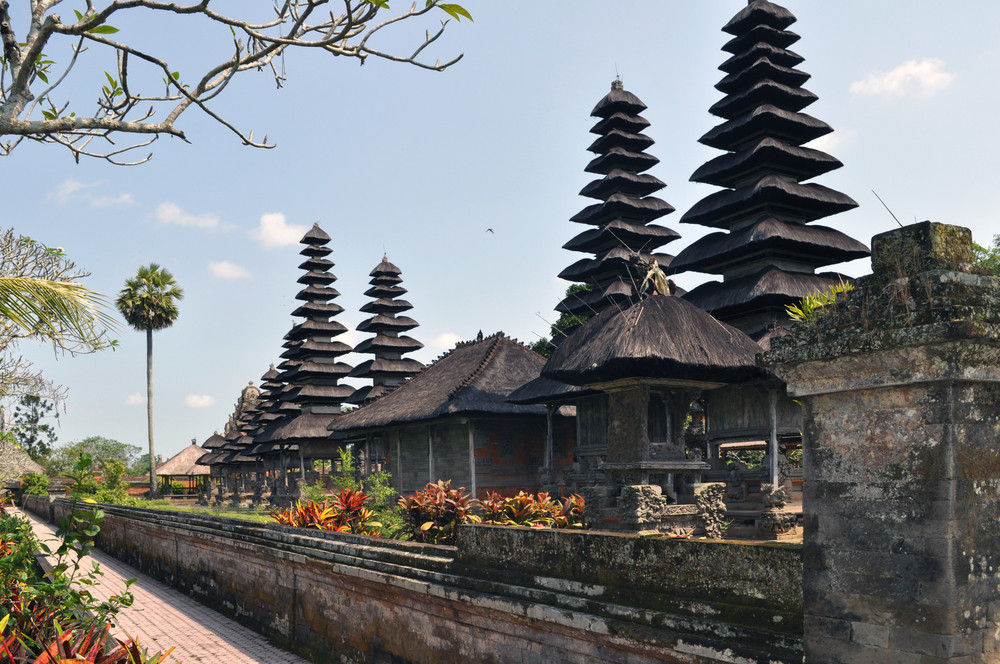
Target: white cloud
71,190
199,401
227,270
445,341
135,399
923,79
171,213
275,231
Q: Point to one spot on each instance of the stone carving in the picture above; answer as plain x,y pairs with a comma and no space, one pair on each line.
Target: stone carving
710,499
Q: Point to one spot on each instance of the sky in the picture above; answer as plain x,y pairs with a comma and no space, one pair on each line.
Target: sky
393,159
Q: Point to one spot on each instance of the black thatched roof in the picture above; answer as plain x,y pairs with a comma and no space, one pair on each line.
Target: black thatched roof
213,442
473,379
759,12
302,427
811,245
663,338
546,390
765,120
770,289
766,156
769,195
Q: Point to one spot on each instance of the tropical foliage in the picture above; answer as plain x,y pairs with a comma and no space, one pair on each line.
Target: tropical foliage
807,308
346,513
434,513
41,298
542,511
987,259
55,618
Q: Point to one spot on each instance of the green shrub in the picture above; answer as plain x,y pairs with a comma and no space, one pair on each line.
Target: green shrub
35,484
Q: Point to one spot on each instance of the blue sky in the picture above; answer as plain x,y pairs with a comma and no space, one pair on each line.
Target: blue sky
390,158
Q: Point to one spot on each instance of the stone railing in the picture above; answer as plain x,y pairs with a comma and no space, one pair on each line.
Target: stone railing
546,595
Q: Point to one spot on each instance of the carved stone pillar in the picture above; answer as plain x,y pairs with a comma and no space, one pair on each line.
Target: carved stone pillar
900,382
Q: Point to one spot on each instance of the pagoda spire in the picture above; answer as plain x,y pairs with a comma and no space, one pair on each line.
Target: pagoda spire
765,251
389,369
311,370
621,238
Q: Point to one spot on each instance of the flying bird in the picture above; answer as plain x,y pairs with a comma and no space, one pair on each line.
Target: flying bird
490,230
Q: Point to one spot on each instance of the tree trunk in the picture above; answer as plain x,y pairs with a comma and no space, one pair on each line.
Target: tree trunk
149,412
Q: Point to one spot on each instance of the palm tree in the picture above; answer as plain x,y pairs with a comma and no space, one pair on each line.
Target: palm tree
149,302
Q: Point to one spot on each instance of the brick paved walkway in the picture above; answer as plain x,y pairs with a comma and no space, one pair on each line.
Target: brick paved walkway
162,618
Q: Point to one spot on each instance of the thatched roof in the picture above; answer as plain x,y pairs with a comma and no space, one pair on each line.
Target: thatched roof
546,390
765,120
769,287
184,463
15,462
476,377
759,12
661,337
812,245
304,426
213,442
766,156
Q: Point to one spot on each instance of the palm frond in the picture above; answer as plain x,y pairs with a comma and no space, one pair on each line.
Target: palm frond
55,310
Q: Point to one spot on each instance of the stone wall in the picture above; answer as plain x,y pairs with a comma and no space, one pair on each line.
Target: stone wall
900,382
503,593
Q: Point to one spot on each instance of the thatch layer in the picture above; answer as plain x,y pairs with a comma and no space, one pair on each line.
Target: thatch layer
765,157
762,92
778,56
811,245
661,337
770,195
474,378
762,121
544,390
771,288
759,12
15,462
185,462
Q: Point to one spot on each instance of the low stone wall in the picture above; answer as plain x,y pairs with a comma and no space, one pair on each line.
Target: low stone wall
504,594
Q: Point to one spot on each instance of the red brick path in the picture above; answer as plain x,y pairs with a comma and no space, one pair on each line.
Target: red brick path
162,618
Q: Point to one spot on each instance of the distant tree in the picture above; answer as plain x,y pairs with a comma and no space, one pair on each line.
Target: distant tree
987,259
565,323
141,465
30,433
101,450
148,303
141,94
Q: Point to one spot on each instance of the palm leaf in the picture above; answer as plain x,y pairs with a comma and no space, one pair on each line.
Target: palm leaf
55,309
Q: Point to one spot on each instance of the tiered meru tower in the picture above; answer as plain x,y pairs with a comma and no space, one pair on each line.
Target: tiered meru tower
389,368
312,393
311,370
766,253
622,233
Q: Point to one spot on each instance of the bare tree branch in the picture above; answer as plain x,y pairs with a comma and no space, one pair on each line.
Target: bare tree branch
127,105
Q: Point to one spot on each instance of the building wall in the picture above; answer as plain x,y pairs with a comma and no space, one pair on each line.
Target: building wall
508,452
